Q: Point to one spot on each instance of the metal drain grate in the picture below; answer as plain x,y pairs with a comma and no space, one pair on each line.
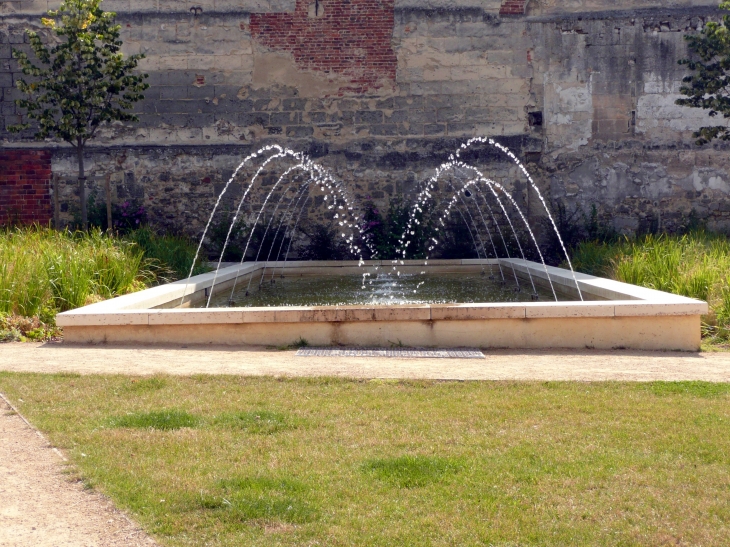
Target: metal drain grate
411,353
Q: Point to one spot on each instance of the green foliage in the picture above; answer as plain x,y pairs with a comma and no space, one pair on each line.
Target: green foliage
696,265
16,328
575,228
594,258
127,216
325,243
411,471
169,256
384,231
707,87
43,271
456,241
82,80
164,420
217,234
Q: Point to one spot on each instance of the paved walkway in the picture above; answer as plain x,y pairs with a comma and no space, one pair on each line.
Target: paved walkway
584,365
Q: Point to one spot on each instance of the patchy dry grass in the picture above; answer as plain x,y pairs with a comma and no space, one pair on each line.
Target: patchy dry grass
164,420
337,462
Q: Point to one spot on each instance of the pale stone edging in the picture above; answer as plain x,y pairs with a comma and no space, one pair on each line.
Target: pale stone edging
626,301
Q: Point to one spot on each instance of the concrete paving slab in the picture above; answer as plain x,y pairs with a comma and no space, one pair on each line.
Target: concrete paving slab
579,365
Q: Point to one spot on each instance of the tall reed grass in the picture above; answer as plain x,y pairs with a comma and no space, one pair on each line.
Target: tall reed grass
696,265
43,272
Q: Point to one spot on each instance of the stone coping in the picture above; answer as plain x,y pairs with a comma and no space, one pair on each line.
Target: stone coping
621,299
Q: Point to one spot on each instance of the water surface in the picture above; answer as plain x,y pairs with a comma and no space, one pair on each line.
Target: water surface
382,289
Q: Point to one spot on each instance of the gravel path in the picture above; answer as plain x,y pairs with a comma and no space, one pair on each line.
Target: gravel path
585,365
41,507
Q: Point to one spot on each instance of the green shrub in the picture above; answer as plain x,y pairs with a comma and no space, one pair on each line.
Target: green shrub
16,328
325,243
171,256
383,232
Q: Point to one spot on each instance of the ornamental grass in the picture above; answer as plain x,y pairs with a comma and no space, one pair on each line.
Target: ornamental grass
44,272
696,265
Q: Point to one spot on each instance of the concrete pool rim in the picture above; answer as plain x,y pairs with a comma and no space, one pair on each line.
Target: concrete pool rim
627,316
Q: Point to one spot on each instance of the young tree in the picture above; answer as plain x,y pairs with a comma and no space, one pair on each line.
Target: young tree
708,87
83,80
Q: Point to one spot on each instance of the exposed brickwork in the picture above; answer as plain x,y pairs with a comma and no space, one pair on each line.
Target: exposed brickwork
25,195
352,39
513,7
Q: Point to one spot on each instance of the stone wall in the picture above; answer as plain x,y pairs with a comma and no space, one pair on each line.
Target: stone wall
381,91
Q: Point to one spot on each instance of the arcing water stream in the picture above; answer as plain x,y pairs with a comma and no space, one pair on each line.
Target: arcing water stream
468,192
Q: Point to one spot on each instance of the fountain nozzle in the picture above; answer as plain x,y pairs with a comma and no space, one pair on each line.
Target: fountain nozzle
536,296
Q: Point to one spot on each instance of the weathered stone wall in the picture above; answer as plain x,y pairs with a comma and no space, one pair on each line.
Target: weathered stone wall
381,91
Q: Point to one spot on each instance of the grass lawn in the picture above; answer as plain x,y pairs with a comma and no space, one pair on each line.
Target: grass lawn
263,461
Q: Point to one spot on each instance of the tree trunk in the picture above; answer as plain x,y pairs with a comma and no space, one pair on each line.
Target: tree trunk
108,188
56,204
82,186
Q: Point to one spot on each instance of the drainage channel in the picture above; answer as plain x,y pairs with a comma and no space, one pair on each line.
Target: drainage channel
409,353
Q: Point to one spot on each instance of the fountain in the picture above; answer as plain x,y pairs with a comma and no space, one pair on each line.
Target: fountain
507,296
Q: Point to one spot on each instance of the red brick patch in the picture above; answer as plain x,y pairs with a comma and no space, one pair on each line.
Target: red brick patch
350,39
25,186
513,7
